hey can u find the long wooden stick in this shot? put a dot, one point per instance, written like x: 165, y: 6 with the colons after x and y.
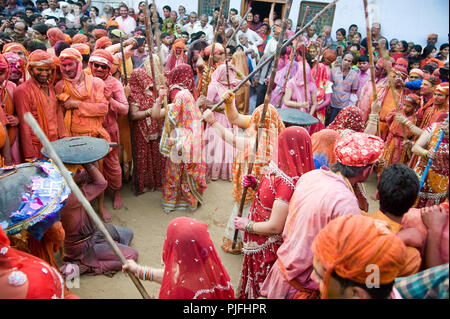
x: 149, y: 38
x: 266, y: 104
x: 370, y: 53
x: 124, y: 65
x: 211, y: 55
x: 292, y: 57
x: 285, y: 44
x: 83, y: 201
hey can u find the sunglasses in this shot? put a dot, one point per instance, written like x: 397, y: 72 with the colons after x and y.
x: 102, y: 66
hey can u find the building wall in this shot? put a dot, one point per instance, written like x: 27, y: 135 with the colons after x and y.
x: 410, y: 20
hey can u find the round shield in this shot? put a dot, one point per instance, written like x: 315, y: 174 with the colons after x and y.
x: 296, y: 117
x: 79, y: 149
x: 31, y: 196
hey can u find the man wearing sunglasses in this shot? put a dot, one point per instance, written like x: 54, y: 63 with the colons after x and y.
x: 100, y: 64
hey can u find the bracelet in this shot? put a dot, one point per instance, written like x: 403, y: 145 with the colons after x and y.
x: 373, y: 117
x: 372, y: 122
x: 143, y: 273
x: 151, y: 274
x: 249, y: 227
x: 148, y: 113
x: 136, y: 272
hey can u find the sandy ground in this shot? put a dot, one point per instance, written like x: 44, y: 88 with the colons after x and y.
x: 144, y: 215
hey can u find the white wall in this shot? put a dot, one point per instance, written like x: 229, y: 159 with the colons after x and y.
x: 410, y: 20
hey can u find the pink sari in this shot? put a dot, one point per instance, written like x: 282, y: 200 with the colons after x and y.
x: 219, y: 155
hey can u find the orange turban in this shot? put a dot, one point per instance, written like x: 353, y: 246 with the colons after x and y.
x: 79, y: 38
x: 102, y: 56
x: 14, y: 47
x: 83, y: 48
x: 40, y: 58
x: 330, y: 55
x: 112, y: 22
x: 179, y: 43
x: 102, y: 43
x: 350, y: 243
x: 99, y: 33
x: 71, y: 53
x: 67, y: 38
x: 54, y: 35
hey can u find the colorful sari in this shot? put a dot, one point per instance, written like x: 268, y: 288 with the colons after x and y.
x: 192, y: 268
x: 273, y: 126
x: 279, y: 82
x: 242, y: 96
x: 435, y: 188
x: 185, y: 171
x: 292, y: 159
x: 146, y: 135
x: 350, y: 118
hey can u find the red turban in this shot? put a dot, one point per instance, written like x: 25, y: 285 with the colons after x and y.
x: 99, y: 33
x: 79, y: 38
x: 102, y: 43
x: 358, y: 149
x: 13, y: 58
x: 349, y: 244
x: 83, y: 48
x: 102, y: 56
x: 54, y: 35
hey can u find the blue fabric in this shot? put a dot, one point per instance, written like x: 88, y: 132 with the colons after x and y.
x: 413, y: 85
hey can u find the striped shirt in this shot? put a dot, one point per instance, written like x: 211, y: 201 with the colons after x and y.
x: 343, y: 87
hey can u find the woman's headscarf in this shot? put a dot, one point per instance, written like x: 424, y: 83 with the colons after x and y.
x: 193, y: 270
x: 140, y: 83
x: 349, y: 118
x: 323, y: 142
x: 272, y: 127
x: 182, y: 77
x: 350, y: 243
x: 219, y: 85
x: 293, y: 156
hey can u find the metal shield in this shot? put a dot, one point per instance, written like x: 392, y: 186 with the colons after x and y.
x: 296, y: 117
x: 79, y: 149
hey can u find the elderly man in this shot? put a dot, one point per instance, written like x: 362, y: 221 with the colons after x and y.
x: 205, y: 27
x: 349, y: 251
x: 320, y: 196
x: 100, y: 64
x: 37, y: 95
x: 193, y: 22
x: 310, y: 35
x: 252, y: 36
x: 376, y: 35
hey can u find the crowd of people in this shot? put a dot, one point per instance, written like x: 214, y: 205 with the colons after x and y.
x: 305, y: 228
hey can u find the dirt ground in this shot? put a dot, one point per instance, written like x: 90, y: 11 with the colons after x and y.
x: 144, y: 215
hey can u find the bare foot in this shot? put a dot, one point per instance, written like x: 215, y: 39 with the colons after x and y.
x: 107, y: 218
x: 117, y: 204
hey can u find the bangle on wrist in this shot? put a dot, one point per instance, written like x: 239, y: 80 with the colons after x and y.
x: 151, y: 274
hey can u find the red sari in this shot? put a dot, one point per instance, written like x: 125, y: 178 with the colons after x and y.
x: 146, y: 135
x: 293, y: 158
x: 193, y: 269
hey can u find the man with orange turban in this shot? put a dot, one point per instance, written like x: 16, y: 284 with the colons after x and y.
x: 100, y: 64
x: 79, y: 38
x: 99, y: 33
x: 82, y: 98
x: 357, y: 257
x: 54, y: 35
x: 102, y: 43
x: 37, y: 95
x: 320, y: 196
